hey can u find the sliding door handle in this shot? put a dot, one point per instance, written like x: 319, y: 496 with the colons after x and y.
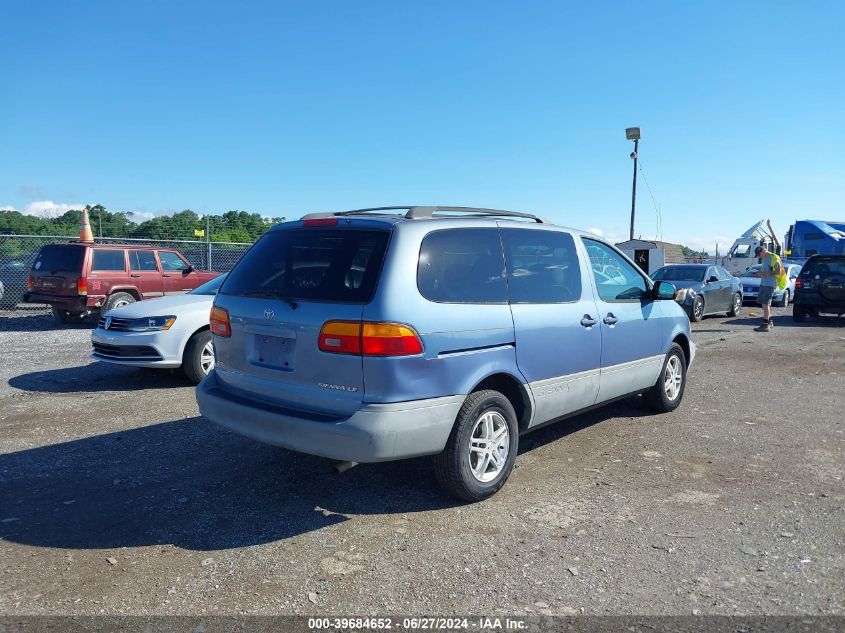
x: 610, y: 319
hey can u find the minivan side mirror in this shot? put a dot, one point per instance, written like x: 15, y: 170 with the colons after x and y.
x: 663, y: 290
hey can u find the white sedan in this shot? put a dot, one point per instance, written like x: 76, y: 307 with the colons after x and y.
x: 168, y: 332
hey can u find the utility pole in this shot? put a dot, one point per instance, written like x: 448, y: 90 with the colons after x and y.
x: 633, y: 134
x: 207, y: 242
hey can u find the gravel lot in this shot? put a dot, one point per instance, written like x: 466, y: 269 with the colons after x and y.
x: 115, y: 497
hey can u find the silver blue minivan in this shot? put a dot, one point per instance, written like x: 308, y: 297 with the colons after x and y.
x: 387, y: 333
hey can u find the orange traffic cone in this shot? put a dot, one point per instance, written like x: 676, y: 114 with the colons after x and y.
x: 85, y: 234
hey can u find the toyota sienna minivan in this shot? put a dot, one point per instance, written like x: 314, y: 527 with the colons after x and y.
x: 388, y: 333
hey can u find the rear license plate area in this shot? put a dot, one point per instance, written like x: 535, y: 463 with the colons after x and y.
x: 275, y: 352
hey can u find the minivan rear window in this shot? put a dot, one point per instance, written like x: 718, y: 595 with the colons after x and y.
x: 55, y: 258
x: 339, y: 265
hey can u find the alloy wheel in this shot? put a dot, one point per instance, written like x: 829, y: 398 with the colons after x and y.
x: 207, y: 358
x: 673, y: 378
x: 489, y: 445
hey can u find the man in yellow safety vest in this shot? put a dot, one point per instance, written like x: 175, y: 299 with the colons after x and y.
x: 771, y: 268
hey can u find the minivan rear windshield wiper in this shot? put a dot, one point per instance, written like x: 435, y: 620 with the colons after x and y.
x: 269, y: 294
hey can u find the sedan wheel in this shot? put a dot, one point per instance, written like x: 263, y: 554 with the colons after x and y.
x: 697, y: 310
x: 737, y: 305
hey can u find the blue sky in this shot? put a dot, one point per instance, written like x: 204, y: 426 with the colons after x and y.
x: 290, y: 107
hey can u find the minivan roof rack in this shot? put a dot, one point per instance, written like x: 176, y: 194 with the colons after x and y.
x: 416, y: 213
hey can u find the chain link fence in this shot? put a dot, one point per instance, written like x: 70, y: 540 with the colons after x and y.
x: 18, y: 253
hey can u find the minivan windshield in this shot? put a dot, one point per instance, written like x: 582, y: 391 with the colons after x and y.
x: 339, y: 265
x: 680, y: 273
x: 55, y: 258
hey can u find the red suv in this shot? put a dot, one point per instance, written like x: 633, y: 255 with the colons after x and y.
x: 76, y: 278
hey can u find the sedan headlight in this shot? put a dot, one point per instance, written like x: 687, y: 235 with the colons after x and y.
x: 683, y: 293
x: 151, y: 324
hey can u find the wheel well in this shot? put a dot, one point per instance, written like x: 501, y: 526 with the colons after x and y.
x: 511, y: 388
x: 683, y: 341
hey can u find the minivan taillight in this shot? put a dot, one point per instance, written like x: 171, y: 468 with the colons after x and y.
x: 29, y: 283
x: 82, y: 286
x: 369, y: 339
x: 798, y: 283
x: 219, y: 320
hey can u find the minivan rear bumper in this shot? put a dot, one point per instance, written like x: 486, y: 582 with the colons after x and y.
x: 374, y: 433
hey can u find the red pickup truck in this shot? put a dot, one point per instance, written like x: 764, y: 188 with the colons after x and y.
x: 77, y: 278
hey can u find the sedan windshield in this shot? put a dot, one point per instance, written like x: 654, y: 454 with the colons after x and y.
x: 680, y: 273
x: 210, y: 287
x: 750, y: 272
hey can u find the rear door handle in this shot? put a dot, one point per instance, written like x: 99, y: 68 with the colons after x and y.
x: 588, y: 321
x: 134, y: 275
x: 165, y: 275
x: 610, y: 319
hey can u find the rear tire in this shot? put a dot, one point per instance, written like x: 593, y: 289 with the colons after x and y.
x: 784, y: 302
x: 668, y: 391
x: 799, y: 313
x: 737, y: 305
x: 482, y: 447
x: 64, y: 317
x: 198, y: 358
x: 118, y: 300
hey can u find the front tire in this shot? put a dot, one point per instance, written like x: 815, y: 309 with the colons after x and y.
x: 736, y: 307
x: 482, y: 447
x: 668, y: 391
x: 696, y: 311
x: 198, y: 358
x: 784, y: 302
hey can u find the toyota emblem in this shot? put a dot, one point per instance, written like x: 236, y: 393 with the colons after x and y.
x: 269, y: 314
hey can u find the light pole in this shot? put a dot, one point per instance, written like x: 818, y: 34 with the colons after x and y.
x: 633, y: 134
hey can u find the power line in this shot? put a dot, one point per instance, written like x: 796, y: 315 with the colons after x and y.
x: 659, y: 235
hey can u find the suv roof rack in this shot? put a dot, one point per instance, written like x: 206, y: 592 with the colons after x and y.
x: 417, y: 213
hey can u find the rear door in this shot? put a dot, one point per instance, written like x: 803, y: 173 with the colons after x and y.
x: 108, y: 271
x: 278, y: 297
x: 57, y: 269
x: 145, y: 274
x: 557, y: 350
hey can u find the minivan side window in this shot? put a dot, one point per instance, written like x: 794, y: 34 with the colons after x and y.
x: 108, y: 260
x: 171, y: 261
x: 542, y: 266
x: 142, y: 260
x: 462, y: 266
x: 616, y: 279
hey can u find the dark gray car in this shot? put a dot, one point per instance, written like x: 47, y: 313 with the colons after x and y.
x: 703, y: 289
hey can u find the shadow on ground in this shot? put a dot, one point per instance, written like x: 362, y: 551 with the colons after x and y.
x: 20, y: 321
x: 788, y: 321
x: 193, y: 485
x: 98, y: 376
